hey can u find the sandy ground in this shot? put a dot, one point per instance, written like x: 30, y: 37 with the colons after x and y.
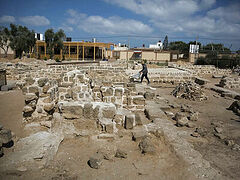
x: 213, y: 149
x: 71, y: 159
x: 11, y: 106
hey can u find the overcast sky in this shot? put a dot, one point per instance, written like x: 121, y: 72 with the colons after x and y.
x: 216, y: 21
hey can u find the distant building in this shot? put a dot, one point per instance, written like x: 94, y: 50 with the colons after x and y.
x: 159, y: 45
x: 120, y: 47
x: 193, y: 48
x: 39, y: 36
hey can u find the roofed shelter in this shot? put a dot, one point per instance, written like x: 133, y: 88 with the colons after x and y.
x: 74, y: 50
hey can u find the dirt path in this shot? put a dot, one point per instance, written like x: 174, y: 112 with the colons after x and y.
x: 212, y: 148
x: 11, y: 106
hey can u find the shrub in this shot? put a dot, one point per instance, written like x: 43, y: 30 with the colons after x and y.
x: 63, y: 57
x: 57, y: 59
x: 45, y: 58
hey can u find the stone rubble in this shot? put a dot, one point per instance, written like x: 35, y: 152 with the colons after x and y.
x: 101, y: 99
x: 190, y: 91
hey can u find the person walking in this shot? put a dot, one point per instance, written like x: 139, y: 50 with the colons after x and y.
x: 144, y: 72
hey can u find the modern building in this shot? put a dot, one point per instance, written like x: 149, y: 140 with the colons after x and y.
x: 159, y: 45
x: 75, y: 51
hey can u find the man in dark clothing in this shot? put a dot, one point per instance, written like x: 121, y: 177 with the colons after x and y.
x: 144, y: 72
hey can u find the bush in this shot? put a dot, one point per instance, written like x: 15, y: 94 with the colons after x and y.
x: 45, y: 58
x: 57, y: 59
x: 63, y: 57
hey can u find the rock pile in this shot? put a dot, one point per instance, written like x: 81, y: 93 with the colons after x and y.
x: 189, y: 90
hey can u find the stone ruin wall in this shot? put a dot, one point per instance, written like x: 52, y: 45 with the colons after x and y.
x: 230, y: 82
x: 99, y: 93
x: 203, y: 69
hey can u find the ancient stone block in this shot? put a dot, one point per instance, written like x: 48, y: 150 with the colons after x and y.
x: 121, y: 154
x: 88, y: 110
x: 129, y: 121
x: 72, y: 111
x: 49, y: 108
x: 34, y: 89
x: 118, y: 91
x: 182, y: 122
x: 109, y: 112
x: 146, y: 146
x: 138, y: 119
x: 149, y: 95
x: 5, y: 136
x: 139, y: 100
x: 95, y: 161
x: 29, y: 81
x: 109, y: 128
x: 45, y: 89
x: 42, y: 81
x: 30, y: 97
x: 27, y: 111
x: 139, y: 135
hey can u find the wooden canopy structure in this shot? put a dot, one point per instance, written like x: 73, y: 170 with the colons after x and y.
x: 74, y: 50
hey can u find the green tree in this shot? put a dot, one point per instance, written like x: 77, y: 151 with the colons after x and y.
x: 54, y: 40
x: 21, y: 39
x: 165, y: 43
x: 4, y: 39
x: 181, y: 46
x: 216, y: 47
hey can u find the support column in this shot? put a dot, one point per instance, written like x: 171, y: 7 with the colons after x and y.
x: 77, y: 51
x: 69, y: 50
x: 37, y: 51
x: 45, y: 49
x: 102, y: 52
x: 83, y: 53
x: 94, y: 53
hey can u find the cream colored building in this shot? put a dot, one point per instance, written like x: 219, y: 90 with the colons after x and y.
x: 143, y: 54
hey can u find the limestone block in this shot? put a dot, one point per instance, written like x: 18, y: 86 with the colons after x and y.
x: 49, y: 107
x: 45, y: 89
x: 119, y: 91
x: 29, y: 81
x: 71, y: 108
x: 138, y: 100
x: 154, y: 112
x: 88, y: 110
x: 30, y: 97
x: 109, y: 128
x: 108, y: 112
x: 138, y: 119
x: 27, y: 111
x: 5, y: 136
x: 129, y: 121
x: 147, y: 147
x: 149, y: 95
x: 34, y: 89
x: 42, y: 81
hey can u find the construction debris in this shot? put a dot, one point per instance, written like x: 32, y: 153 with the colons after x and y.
x: 189, y: 90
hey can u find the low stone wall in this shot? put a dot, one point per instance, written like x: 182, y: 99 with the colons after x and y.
x: 230, y: 82
x: 202, y: 69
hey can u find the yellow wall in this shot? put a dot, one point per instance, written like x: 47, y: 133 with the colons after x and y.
x: 123, y: 55
x: 149, y: 55
x: 193, y: 57
x: 163, y: 56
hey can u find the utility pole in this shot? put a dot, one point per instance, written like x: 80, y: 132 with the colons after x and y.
x: 127, y: 51
x: 196, y: 49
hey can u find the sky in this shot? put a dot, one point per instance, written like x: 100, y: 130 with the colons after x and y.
x: 136, y: 22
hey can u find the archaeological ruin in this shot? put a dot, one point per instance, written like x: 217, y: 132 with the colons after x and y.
x: 89, y: 120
